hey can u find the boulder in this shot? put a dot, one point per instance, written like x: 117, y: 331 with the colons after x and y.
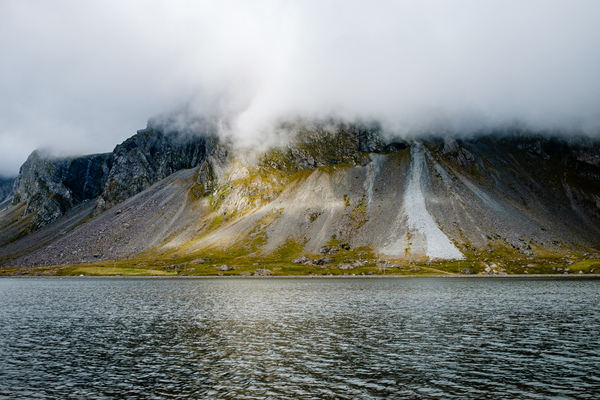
x: 174, y: 266
x: 325, y: 260
x: 262, y: 272
x: 301, y: 260
x: 324, y: 250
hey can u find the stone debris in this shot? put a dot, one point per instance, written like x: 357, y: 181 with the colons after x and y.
x: 263, y: 272
x: 325, y: 260
x: 494, y: 269
x: 327, y: 250
x: 163, y: 212
x: 174, y: 266
x: 301, y: 260
x: 310, y: 262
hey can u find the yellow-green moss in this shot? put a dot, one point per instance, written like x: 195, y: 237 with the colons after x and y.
x: 358, y: 216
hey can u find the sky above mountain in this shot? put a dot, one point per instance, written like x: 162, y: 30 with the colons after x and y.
x: 80, y: 77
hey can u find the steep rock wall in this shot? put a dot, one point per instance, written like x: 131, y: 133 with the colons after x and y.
x: 50, y: 186
x: 148, y: 157
x: 522, y: 193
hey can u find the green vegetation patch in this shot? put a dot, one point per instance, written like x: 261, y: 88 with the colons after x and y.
x: 247, y: 261
x: 106, y: 270
x: 291, y: 249
x: 586, y: 266
x: 358, y: 216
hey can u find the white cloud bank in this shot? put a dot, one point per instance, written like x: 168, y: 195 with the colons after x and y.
x: 80, y: 77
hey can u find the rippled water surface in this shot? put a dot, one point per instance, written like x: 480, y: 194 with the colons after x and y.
x: 299, y: 338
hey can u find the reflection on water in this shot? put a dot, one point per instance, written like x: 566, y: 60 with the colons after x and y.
x: 299, y: 338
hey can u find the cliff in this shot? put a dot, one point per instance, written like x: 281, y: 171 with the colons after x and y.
x: 334, y: 185
x: 148, y: 157
x: 50, y: 186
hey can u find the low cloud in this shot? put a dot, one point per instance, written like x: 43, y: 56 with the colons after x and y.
x: 80, y: 77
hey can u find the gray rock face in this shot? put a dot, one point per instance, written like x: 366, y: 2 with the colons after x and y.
x: 211, y: 169
x: 516, y: 191
x: 329, y: 142
x: 457, y: 154
x: 50, y: 186
x: 86, y: 176
x: 149, y: 156
x: 588, y: 155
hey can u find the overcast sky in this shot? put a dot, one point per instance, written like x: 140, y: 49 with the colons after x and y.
x: 81, y: 76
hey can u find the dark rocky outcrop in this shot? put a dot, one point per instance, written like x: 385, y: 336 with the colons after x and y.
x: 6, y: 190
x: 49, y: 186
x: 208, y: 174
x: 457, y: 154
x: 149, y: 156
x: 86, y: 176
x: 332, y: 180
x: 328, y: 142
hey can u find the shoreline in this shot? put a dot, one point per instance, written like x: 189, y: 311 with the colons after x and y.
x: 449, y: 276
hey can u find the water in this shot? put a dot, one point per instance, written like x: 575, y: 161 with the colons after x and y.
x: 299, y: 338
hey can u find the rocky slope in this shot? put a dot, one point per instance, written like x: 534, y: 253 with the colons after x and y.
x: 334, y: 184
x: 148, y: 157
x: 47, y: 187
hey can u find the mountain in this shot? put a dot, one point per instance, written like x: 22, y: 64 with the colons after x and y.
x: 337, y: 193
x: 6, y: 191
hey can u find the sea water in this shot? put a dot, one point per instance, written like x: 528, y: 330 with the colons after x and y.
x: 103, y: 338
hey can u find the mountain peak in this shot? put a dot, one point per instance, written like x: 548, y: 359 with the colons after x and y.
x: 334, y: 185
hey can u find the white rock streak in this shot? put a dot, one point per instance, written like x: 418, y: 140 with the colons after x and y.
x: 372, y: 171
x: 418, y: 218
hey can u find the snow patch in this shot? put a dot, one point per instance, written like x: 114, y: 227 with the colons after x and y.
x: 418, y: 218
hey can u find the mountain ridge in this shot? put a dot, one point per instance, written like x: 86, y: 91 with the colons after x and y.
x: 334, y: 183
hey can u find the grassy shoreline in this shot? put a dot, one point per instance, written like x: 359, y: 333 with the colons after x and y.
x: 395, y: 276
x: 342, y: 262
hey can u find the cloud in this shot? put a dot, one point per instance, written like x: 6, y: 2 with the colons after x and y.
x: 80, y: 77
